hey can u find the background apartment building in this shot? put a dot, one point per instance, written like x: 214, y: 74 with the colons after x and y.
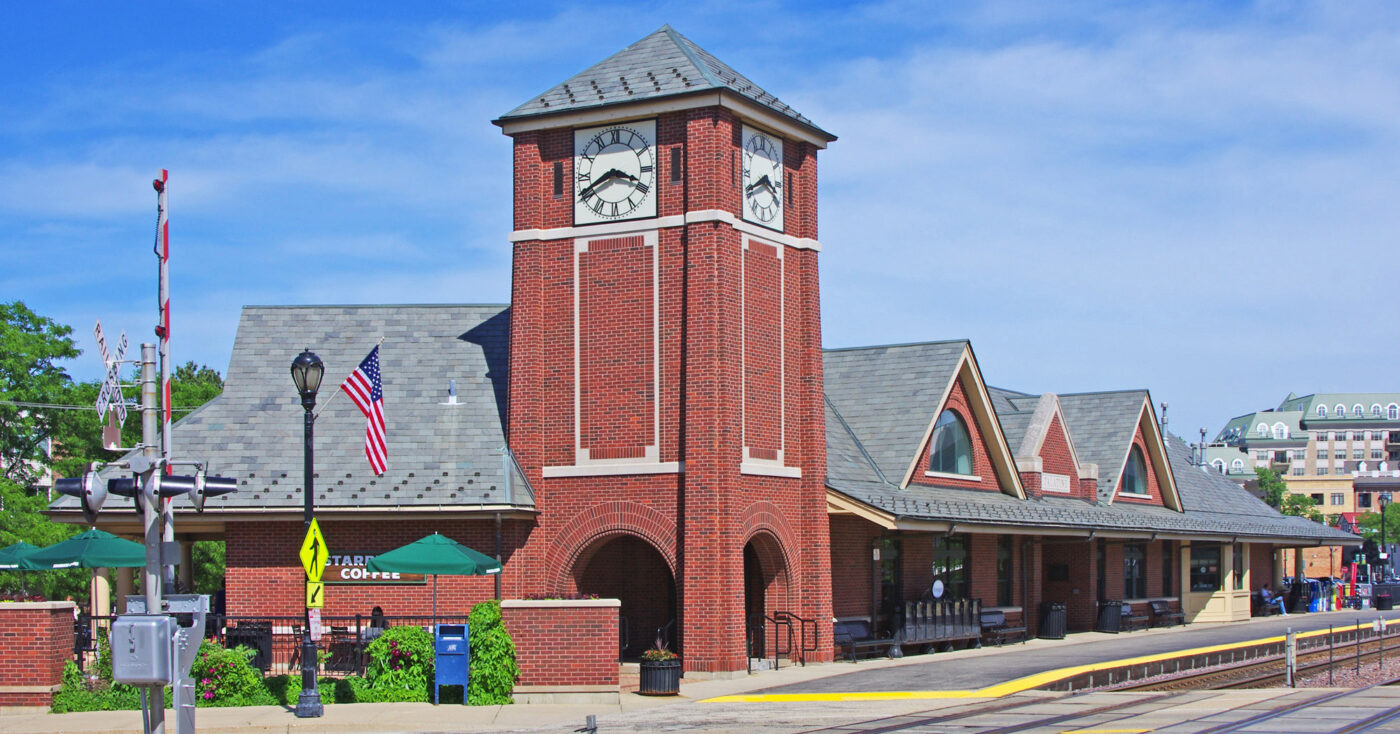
x: 1342, y: 449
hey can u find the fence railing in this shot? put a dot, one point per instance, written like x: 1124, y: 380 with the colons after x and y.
x: 276, y: 641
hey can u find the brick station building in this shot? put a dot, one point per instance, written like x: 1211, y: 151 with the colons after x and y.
x: 653, y: 417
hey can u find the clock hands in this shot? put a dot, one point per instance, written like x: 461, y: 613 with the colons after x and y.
x: 762, y: 183
x: 611, y: 174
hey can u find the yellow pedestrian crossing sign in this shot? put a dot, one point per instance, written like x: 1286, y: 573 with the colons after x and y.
x: 315, y: 594
x: 314, y: 553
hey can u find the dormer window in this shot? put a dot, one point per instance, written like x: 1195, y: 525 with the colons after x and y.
x: 950, y: 450
x: 1135, y: 474
x: 1322, y: 411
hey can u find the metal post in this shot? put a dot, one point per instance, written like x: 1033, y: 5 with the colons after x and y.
x: 1358, y: 647
x: 309, y: 702
x: 162, y: 250
x: 154, y: 705
x: 1291, y: 657
x: 1331, y: 646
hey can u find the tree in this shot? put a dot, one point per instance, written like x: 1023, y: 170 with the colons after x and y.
x: 21, y: 519
x: 1271, y: 486
x: 30, y: 347
x: 1370, y: 525
x: 1301, y: 505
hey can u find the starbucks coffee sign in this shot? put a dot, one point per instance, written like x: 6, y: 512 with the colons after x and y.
x: 353, y: 569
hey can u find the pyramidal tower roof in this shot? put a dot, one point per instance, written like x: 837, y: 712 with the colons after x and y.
x: 664, y: 64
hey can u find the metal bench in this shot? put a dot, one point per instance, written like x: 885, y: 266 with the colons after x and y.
x: 936, y: 621
x: 995, y: 628
x: 1162, y: 614
x: 857, y: 636
x: 1133, y: 621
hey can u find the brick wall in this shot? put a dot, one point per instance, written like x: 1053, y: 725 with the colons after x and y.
x: 564, y: 645
x: 719, y: 362
x: 981, y: 461
x: 851, y: 570
x: 1057, y: 459
x: 36, y: 639
x: 1154, y: 489
x: 264, y: 575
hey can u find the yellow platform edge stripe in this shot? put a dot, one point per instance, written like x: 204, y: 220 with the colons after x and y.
x: 1017, y: 685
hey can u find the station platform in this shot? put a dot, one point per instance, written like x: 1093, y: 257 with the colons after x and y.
x: 992, y: 672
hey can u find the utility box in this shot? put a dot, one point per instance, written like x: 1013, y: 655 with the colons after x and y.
x: 452, y: 663
x: 143, y: 649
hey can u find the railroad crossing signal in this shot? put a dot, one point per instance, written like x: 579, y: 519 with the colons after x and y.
x: 110, y: 396
x: 314, y: 554
x: 315, y: 594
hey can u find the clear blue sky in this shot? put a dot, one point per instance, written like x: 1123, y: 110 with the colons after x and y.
x: 1196, y: 198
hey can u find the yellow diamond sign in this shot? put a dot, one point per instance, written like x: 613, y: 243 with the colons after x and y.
x: 314, y: 552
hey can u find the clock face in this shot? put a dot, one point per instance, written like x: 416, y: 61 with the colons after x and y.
x: 615, y: 172
x: 763, y: 178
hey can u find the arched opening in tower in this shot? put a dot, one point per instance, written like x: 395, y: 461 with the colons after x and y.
x: 629, y: 569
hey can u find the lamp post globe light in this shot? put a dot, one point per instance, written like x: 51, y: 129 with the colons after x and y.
x: 307, y: 370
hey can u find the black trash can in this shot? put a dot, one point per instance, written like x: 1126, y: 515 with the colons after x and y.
x: 1384, y: 603
x: 1110, y: 617
x: 1053, y: 620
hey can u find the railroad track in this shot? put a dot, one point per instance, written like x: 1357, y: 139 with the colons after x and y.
x: 1268, y: 671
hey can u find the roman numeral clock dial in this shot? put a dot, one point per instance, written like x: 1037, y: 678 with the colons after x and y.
x: 615, y: 172
x: 763, y: 178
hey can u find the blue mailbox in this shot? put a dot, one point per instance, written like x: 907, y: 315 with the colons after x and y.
x: 452, y: 661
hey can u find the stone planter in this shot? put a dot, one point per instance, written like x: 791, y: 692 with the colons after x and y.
x: 660, y: 678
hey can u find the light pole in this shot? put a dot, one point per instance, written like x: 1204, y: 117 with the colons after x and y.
x: 1385, y: 554
x: 307, y: 370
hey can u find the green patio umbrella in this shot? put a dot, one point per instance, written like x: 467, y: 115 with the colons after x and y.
x: 91, y: 549
x: 11, y: 558
x: 435, y: 554
x: 11, y: 555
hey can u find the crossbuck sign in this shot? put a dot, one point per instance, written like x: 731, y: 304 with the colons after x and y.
x: 110, y: 397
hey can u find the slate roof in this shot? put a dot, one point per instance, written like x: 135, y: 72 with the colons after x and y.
x: 440, y: 455
x: 886, y: 396
x: 1102, y: 426
x: 880, y: 400
x: 663, y: 64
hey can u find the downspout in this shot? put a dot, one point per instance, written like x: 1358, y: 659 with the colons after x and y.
x: 498, y: 555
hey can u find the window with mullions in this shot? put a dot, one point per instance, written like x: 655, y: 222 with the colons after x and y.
x: 1135, y: 571
x: 1238, y: 567
x: 950, y: 449
x: 1205, y: 567
x: 1135, y: 473
x: 1167, y: 552
x: 950, y: 565
x: 1004, y: 566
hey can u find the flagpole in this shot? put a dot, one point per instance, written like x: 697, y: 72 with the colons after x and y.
x: 328, y: 400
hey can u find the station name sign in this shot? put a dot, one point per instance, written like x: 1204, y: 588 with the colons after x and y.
x: 351, y: 569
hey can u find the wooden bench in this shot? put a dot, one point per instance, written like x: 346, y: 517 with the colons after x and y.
x: 995, y: 628
x: 1162, y: 614
x: 857, y: 636
x: 1133, y: 621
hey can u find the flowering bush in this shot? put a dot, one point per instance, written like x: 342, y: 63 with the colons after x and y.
x: 225, y: 678
x: 401, y: 664
x: 658, y: 655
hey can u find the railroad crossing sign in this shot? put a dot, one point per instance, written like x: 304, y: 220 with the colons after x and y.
x: 314, y: 554
x: 315, y: 594
x: 110, y: 396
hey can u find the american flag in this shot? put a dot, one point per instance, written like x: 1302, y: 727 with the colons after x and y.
x: 364, y: 387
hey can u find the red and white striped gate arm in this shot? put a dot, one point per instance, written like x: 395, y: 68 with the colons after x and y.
x: 163, y: 331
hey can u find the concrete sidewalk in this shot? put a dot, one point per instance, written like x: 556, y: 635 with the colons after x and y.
x: 685, y: 712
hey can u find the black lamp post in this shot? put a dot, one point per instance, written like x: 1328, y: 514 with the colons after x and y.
x: 1385, y: 553
x: 307, y: 370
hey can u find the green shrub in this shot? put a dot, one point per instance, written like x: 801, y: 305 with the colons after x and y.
x: 493, y: 671
x: 225, y: 678
x: 80, y: 693
x: 401, y: 665
x: 285, y: 690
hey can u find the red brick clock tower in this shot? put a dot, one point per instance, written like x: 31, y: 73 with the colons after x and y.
x: 665, y: 353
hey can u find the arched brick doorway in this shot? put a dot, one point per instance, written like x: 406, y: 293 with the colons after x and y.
x: 628, y: 568
x: 765, y: 593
